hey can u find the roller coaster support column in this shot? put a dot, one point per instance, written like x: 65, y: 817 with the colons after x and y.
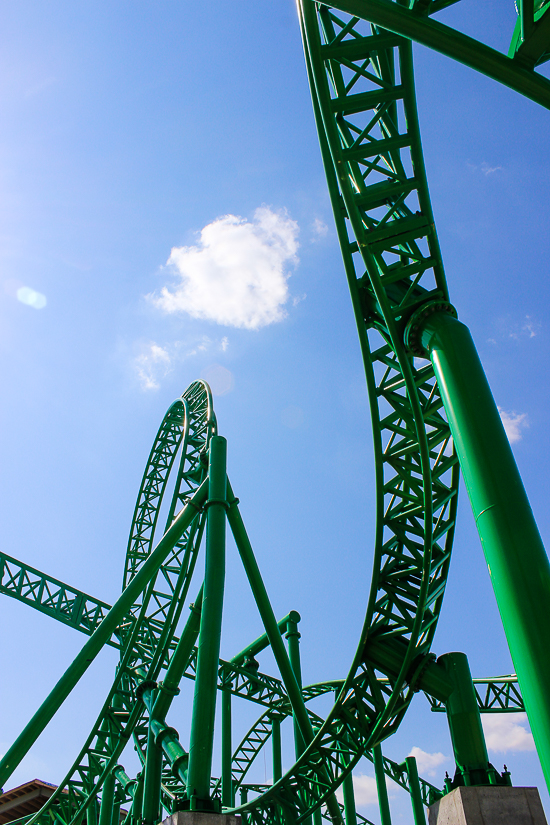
x: 414, y: 788
x: 160, y: 737
x: 381, y: 787
x: 276, y: 748
x: 204, y: 702
x: 469, y: 747
x: 293, y: 638
x: 517, y: 561
x: 100, y: 636
x: 227, y: 779
x: 273, y: 632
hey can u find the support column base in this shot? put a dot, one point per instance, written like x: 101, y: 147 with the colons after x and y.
x: 488, y: 805
x: 203, y: 818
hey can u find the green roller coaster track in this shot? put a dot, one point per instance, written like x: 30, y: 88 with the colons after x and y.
x: 433, y: 416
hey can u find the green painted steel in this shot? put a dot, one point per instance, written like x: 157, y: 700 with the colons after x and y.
x: 208, y: 654
x: 408, y: 23
x: 426, y: 416
x: 383, y: 801
x: 498, y: 695
x: 416, y: 797
x: 517, y: 561
x: 464, y: 719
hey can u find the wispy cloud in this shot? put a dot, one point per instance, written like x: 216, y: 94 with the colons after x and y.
x: 506, y: 732
x: 513, y: 423
x: 484, y: 168
x: 319, y: 229
x: 428, y: 762
x: 517, y: 328
x: 154, y: 362
x: 236, y: 275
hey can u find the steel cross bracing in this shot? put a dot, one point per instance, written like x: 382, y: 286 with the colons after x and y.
x: 144, y: 653
x: 493, y: 695
x: 362, y: 85
x: 147, y: 636
x: 363, y: 92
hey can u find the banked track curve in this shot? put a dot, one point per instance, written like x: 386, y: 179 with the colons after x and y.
x: 363, y: 94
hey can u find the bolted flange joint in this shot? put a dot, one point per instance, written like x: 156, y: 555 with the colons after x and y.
x: 415, y: 326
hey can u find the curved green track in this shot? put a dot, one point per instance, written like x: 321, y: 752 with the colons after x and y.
x: 362, y: 86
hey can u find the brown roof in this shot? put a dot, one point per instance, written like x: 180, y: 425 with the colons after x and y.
x: 25, y: 799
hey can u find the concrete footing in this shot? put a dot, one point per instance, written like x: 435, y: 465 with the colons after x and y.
x: 488, y: 805
x: 202, y: 818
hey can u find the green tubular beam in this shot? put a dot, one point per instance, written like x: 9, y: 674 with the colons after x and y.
x: 517, y: 561
x: 153, y: 775
x: 204, y: 703
x: 268, y: 617
x: 467, y: 736
x: 416, y: 796
x: 107, y: 801
x: 227, y: 779
x: 147, y: 635
x: 350, y: 813
x: 381, y: 787
x: 454, y: 44
x: 272, y: 630
x: 262, y: 641
x: 367, y: 124
x: 276, y: 749
x: 92, y: 647
x: 293, y: 640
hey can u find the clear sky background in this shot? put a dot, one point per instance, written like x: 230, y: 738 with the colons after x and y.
x: 130, y: 128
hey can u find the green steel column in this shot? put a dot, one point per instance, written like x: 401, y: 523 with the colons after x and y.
x: 414, y: 788
x: 204, y: 702
x: 153, y: 774
x: 227, y: 779
x: 293, y: 639
x: 107, y: 800
x: 100, y: 637
x: 276, y: 748
x: 244, y: 800
x: 116, y: 810
x: 469, y: 747
x: 517, y: 561
x: 350, y: 812
x: 91, y: 812
x: 272, y: 629
x: 137, y: 801
x: 381, y: 787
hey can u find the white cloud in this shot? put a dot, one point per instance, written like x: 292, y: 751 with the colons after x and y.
x: 225, y: 343
x: 488, y: 170
x: 513, y: 424
x: 427, y: 762
x: 236, y: 275
x: 154, y: 362
x: 531, y: 327
x: 505, y: 732
x: 151, y: 364
x: 319, y: 229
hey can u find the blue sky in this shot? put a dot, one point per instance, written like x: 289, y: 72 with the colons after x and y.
x: 129, y: 129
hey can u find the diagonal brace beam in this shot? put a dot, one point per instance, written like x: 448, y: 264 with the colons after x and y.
x: 451, y: 43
